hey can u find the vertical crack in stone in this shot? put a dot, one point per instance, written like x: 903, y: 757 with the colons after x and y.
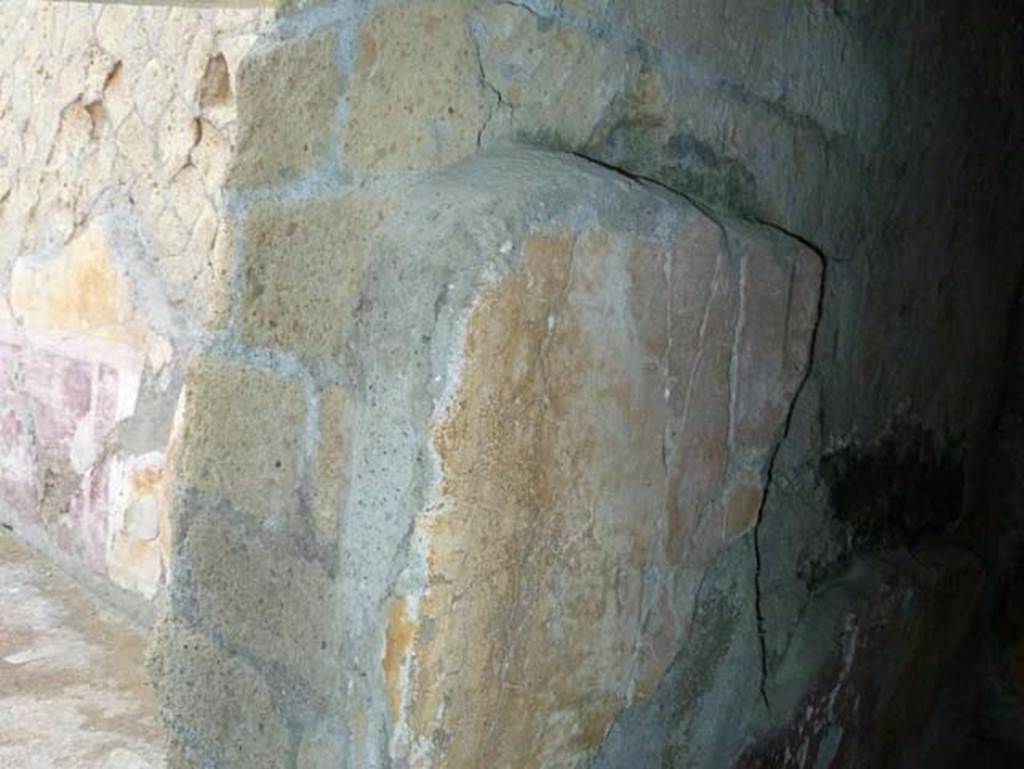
x: 770, y: 468
x: 499, y: 102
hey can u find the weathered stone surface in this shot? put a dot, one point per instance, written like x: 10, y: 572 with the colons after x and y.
x: 82, y: 291
x: 116, y: 124
x: 262, y: 597
x: 560, y: 395
x: 287, y: 96
x: 554, y: 81
x: 404, y: 113
x: 138, y: 489
x: 319, y: 750
x: 301, y: 270
x: 243, y: 437
x: 563, y: 541
x: 217, y: 703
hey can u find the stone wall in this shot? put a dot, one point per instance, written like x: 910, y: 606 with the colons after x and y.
x: 595, y: 384
x: 116, y: 125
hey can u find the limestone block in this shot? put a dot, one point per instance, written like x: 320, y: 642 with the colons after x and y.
x: 302, y: 266
x: 242, y: 439
x: 217, y: 703
x: 287, y: 96
x: 263, y: 597
x: 586, y: 448
x: 416, y: 99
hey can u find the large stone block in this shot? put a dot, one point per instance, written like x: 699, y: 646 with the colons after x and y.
x: 243, y: 436
x: 416, y: 99
x: 590, y: 344
x: 301, y: 271
x: 555, y: 82
x: 263, y: 597
x: 216, y: 706
x: 287, y: 97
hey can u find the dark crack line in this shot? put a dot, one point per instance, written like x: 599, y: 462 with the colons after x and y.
x: 759, y: 618
x: 762, y: 633
x: 759, y: 612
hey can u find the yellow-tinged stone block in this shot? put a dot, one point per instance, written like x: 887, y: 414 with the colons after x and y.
x: 242, y: 436
x: 416, y: 99
x: 287, y: 97
x: 301, y: 272
x: 81, y: 291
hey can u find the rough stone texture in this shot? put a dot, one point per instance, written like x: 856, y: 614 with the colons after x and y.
x: 244, y: 431
x: 262, y: 599
x: 552, y: 83
x: 563, y: 342
x: 287, y: 97
x: 299, y: 279
x: 242, y: 729
x: 116, y: 125
x: 404, y: 113
x: 546, y: 429
x: 572, y: 442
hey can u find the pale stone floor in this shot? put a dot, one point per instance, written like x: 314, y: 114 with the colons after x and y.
x: 73, y: 692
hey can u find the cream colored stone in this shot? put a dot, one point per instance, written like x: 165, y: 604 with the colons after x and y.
x: 287, y: 97
x: 81, y: 291
x: 211, y: 154
x: 137, y: 145
x: 117, y: 26
x: 135, y: 564
x: 178, y: 132
x: 301, y: 271
x: 189, y: 201
x: 216, y: 283
x: 243, y: 437
x: 151, y: 95
x: 116, y: 100
x: 416, y: 99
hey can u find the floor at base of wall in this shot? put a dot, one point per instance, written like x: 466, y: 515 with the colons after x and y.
x: 73, y: 692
